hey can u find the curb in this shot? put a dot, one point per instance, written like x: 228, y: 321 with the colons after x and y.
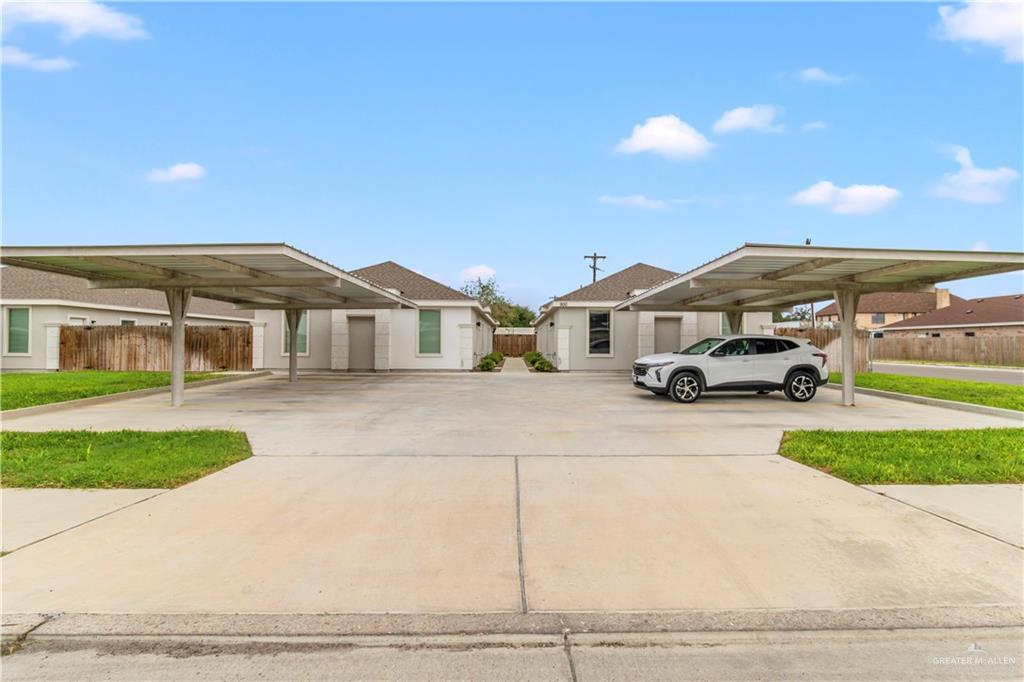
x: 124, y: 395
x: 514, y: 623
x: 936, y: 402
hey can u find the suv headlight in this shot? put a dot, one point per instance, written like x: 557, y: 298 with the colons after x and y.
x: 659, y: 364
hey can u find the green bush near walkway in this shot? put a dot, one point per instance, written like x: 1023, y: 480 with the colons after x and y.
x: 42, y: 388
x: 1006, y: 396
x: 116, y: 459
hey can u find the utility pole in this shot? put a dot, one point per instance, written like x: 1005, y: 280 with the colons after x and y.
x: 593, y: 266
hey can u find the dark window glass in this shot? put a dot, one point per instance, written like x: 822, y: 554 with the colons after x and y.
x: 766, y: 346
x: 735, y: 347
x: 968, y: 333
x: 878, y: 318
x: 599, y: 324
x: 701, y: 347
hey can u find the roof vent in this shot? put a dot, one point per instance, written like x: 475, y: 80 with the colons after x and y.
x: 637, y: 292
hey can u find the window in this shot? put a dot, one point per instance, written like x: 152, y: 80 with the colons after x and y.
x: 968, y: 333
x: 877, y: 318
x: 766, y: 346
x: 127, y: 322
x: 303, y: 336
x: 16, y: 341
x: 77, y: 320
x: 936, y: 335
x: 430, y: 332
x: 599, y: 332
x: 701, y: 347
x: 735, y: 347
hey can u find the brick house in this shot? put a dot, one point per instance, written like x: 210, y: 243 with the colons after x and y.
x: 990, y: 316
x: 881, y: 309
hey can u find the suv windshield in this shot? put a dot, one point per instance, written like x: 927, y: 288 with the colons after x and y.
x: 700, y: 347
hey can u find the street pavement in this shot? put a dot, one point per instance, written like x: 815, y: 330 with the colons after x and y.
x: 1012, y: 376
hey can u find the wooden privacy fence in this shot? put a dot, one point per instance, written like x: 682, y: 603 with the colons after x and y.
x: 985, y: 350
x: 829, y: 341
x: 514, y: 341
x: 146, y: 348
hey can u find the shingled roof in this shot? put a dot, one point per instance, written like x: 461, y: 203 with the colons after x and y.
x: 891, y: 302
x: 410, y: 284
x: 24, y: 283
x: 970, y: 312
x: 620, y: 285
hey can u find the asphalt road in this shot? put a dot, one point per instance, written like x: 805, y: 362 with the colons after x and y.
x: 998, y: 376
x: 955, y: 654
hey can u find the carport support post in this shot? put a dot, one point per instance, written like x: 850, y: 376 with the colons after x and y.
x: 847, y: 300
x: 735, y: 320
x: 177, y: 305
x: 292, y: 316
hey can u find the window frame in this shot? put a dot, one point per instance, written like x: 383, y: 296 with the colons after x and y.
x: 7, y: 331
x: 134, y: 321
x: 284, y: 334
x: 875, y: 316
x: 440, y: 333
x: 611, y: 333
x: 83, y: 318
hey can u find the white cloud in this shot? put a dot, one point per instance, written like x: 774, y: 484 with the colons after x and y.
x: 13, y: 56
x: 846, y: 200
x: 760, y: 118
x: 997, y: 24
x: 816, y: 74
x: 980, y: 246
x: 176, y: 173
x: 814, y: 125
x: 477, y: 272
x: 668, y: 136
x: 635, y: 201
x: 75, y: 19
x: 974, y: 185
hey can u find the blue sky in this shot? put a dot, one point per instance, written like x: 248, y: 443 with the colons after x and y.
x: 516, y: 137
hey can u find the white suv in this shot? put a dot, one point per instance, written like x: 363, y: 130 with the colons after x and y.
x: 737, y: 362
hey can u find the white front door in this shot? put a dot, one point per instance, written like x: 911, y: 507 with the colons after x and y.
x: 732, y: 362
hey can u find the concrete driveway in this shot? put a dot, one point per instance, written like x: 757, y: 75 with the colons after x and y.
x: 456, y: 494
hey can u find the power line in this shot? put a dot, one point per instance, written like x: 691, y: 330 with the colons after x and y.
x: 593, y: 266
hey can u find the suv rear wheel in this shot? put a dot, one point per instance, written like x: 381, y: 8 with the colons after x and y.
x: 684, y: 387
x: 800, y: 387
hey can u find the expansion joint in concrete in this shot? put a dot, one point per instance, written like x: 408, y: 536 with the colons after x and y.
x: 523, y: 605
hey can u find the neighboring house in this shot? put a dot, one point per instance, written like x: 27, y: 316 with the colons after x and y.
x: 879, y: 309
x: 449, y: 331
x: 580, y: 330
x: 35, y: 304
x: 991, y: 316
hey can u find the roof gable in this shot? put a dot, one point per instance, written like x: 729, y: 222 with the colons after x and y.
x: 970, y: 312
x: 891, y: 302
x: 411, y: 284
x: 620, y: 285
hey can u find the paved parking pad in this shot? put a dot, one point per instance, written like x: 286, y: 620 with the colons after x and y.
x: 489, y: 414
x: 624, y: 534
x: 291, y: 535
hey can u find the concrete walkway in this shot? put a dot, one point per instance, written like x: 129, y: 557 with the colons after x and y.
x: 31, y: 515
x: 994, y: 509
x: 515, y: 367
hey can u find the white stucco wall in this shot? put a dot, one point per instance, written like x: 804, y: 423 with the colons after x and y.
x: 42, y: 315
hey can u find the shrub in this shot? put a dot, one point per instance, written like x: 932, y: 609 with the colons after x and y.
x: 496, y: 356
x: 531, y: 357
x: 487, y: 364
x: 543, y: 365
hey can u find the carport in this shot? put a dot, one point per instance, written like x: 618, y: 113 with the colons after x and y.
x: 251, y: 276
x: 773, y: 277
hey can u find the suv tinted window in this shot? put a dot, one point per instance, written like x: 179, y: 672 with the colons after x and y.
x: 788, y: 345
x: 735, y: 347
x: 766, y: 346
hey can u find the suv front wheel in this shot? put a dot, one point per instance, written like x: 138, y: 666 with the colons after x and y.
x: 684, y: 387
x: 800, y: 387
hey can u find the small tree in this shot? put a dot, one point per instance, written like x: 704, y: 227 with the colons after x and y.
x: 488, y: 292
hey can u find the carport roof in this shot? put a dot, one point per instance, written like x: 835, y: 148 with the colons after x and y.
x: 762, y: 277
x: 247, y: 275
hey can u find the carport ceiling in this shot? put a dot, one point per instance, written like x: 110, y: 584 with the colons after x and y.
x: 762, y: 277
x: 248, y: 275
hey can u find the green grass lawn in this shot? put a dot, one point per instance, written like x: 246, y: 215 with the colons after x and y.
x: 1005, y: 396
x: 954, y: 456
x: 29, y: 389
x: 947, y: 364
x: 116, y: 459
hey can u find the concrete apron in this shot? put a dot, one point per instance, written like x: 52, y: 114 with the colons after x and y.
x: 650, y: 542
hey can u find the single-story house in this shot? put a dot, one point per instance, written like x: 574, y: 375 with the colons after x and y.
x: 879, y: 309
x: 990, y: 316
x: 36, y: 303
x: 448, y: 331
x: 582, y: 331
